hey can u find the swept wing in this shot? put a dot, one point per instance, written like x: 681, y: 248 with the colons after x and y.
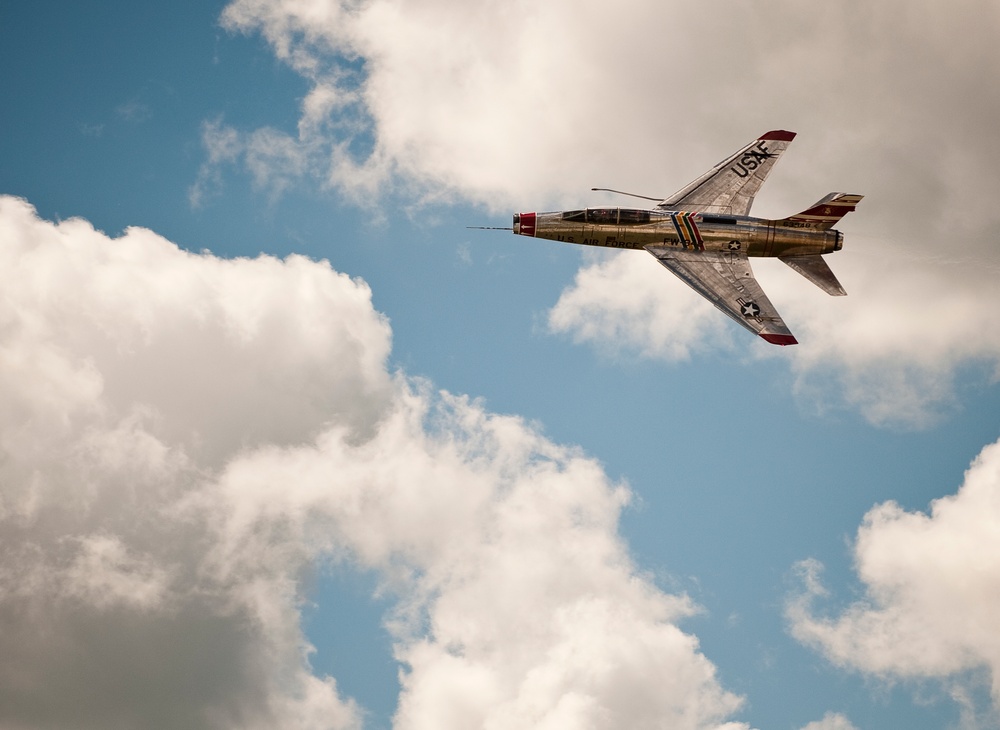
x: 730, y: 186
x: 726, y: 279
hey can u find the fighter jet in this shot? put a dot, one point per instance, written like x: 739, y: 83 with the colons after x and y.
x: 703, y: 233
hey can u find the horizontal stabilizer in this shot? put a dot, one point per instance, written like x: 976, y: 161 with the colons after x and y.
x: 824, y: 213
x: 817, y: 271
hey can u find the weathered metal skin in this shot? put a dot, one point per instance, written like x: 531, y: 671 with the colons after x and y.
x: 622, y: 228
x: 703, y: 233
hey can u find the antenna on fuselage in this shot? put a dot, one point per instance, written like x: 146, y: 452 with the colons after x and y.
x: 619, y: 192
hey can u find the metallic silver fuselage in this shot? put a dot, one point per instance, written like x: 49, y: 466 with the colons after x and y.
x: 752, y: 236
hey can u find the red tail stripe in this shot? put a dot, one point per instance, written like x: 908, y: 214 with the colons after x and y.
x: 835, y: 210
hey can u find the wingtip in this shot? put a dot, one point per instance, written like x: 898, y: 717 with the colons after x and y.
x: 779, y: 339
x: 779, y: 135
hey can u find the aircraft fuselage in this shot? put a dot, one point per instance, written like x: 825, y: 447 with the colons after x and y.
x: 705, y: 236
x: 636, y: 229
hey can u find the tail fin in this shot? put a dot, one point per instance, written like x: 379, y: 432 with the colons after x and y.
x: 825, y: 213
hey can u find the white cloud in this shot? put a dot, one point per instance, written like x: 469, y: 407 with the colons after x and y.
x: 505, y: 110
x: 519, y: 604
x: 892, y: 347
x: 831, y: 721
x: 527, y: 105
x: 104, y: 573
x: 183, y: 438
x: 273, y: 159
x: 932, y: 584
x: 134, y: 111
x: 130, y: 373
x: 620, y: 302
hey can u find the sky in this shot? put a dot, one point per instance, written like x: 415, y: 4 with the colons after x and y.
x: 283, y: 443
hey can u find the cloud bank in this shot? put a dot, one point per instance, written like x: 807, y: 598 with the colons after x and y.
x: 520, y: 105
x: 932, y: 585
x: 184, y: 440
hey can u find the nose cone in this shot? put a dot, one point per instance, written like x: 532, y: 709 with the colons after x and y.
x: 524, y: 224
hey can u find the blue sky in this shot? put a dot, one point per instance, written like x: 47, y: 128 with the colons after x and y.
x: 551, y: 487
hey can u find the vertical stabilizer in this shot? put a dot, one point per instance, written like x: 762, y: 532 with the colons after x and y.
x: 824, y: 213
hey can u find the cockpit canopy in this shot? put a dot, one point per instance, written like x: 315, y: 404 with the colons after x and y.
x: 609, y: 216
x: 637, y: 217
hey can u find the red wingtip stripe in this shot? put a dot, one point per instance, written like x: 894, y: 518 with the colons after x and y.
x: 779, y: 135
x: 779, y: 339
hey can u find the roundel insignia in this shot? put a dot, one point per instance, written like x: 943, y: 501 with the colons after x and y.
x: 734, y: 245
x: 750, y: 309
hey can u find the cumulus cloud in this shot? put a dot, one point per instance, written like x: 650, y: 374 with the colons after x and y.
x: 526, y: 105
x: 184, y: 440
x: 892, y: 346
x: 503, y: 109
x: 619, y: 303
x: 932, y: 585
x: 831, y: 721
